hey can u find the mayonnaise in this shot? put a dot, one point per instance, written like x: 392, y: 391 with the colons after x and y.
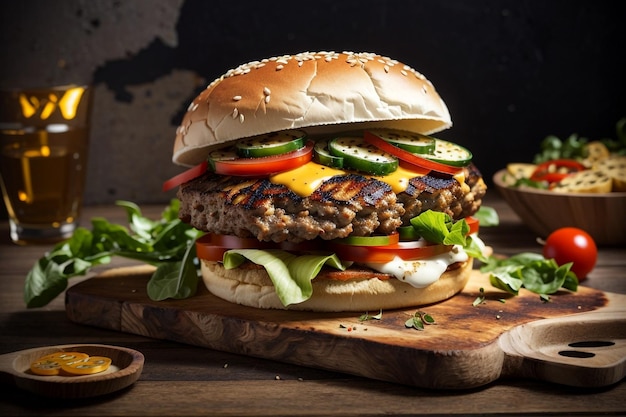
x: 421, y: 273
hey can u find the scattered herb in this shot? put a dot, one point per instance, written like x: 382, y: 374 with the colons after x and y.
x: 167, y: 243
x: 366, y: 316
x: 480, y: 299
x: 419, y: 320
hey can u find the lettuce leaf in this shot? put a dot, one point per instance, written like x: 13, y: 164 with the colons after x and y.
x: 290, y: 274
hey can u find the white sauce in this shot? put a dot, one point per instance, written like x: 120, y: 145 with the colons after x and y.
x: 424, y: 272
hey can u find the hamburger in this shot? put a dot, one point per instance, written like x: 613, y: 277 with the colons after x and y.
x: 320, y: 187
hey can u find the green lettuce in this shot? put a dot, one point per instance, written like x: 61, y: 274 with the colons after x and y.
x: 290, y: 274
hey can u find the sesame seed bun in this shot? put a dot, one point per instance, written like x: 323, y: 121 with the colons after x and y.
x: 252, y: 287
x: 314, y: 92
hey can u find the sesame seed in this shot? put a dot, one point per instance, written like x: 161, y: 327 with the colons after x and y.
x: 267, y: 99
x: 236, y: 98
x: 241, y: 118
x: 279, y: 67
x: 403, y: 72
x: 235, y: 113
x: 266, y: 91
x: 192, y: 107
x: 386, y: 68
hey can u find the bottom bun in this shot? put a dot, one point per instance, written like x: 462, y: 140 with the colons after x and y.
x: 252, y: 287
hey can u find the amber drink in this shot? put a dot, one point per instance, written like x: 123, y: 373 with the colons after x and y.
x: 43, y: 157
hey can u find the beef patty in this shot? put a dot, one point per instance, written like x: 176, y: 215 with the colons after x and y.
x: 343, y: 205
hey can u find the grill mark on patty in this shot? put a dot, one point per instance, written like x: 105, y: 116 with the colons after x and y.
x: 351, y: 189
x: 343, y: 205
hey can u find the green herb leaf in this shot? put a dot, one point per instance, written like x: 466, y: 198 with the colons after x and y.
x: 531, y: 271
x: 163, y: 243
x: 438, y: 227
x: 178, y: 280
x: 487, y: 216
x: 366, y: 316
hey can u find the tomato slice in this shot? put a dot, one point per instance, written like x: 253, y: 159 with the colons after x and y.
x: 381, y: 254
x: 211, y: 247
x: 266, y: 165
x: 556, y: 170
x: 186, y: 176
x: 409, y: 157
x: 473, y: 224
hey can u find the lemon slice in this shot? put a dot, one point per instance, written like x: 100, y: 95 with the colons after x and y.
x: 51, y: 364
x: 88, y: 366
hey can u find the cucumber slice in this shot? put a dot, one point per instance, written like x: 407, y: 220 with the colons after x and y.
x: 271, y: 144
x: 450, y: 154
x: 361, y: 156
x: 222, y: 154
x: 408, y: 233
x: 409, y: 141
x: 323, y: 156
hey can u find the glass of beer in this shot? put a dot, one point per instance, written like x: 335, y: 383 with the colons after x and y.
x: 43, y: 159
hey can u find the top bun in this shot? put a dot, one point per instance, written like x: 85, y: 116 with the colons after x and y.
x: 314, y: 92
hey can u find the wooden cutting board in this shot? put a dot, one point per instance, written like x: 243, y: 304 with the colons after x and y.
x: 575, y: 339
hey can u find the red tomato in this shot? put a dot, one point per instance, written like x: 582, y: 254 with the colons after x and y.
x: 570, y: 244
x: 556, y: 170
x: 211, y: 247
x: 473, y: 223
x: 408, y: 157
x: 264, y: 165
x: 380, y: 254
x: 186, y: 176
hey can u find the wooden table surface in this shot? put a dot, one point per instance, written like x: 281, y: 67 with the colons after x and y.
x: 182, y: 380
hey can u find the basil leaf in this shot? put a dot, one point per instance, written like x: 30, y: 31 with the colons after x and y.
x: 178, y: 280
x: 166, y: 243
x: 487, y: 216
x: 531, y: 271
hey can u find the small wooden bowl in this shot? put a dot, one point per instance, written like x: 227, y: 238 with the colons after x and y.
x: 125, y: 369
x: 603, y: 216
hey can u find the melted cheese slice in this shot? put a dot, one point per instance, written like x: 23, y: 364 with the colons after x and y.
x: 308, y: 177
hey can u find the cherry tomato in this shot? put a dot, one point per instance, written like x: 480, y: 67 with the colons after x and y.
x: 570, y: 244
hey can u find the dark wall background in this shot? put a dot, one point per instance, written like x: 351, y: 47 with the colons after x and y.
x: 511, y: 71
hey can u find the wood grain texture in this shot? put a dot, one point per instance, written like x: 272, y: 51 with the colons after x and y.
x: 461, y: 351
x: 125, y: 369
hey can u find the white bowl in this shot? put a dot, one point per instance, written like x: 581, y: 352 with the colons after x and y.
x: 603, y: 216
